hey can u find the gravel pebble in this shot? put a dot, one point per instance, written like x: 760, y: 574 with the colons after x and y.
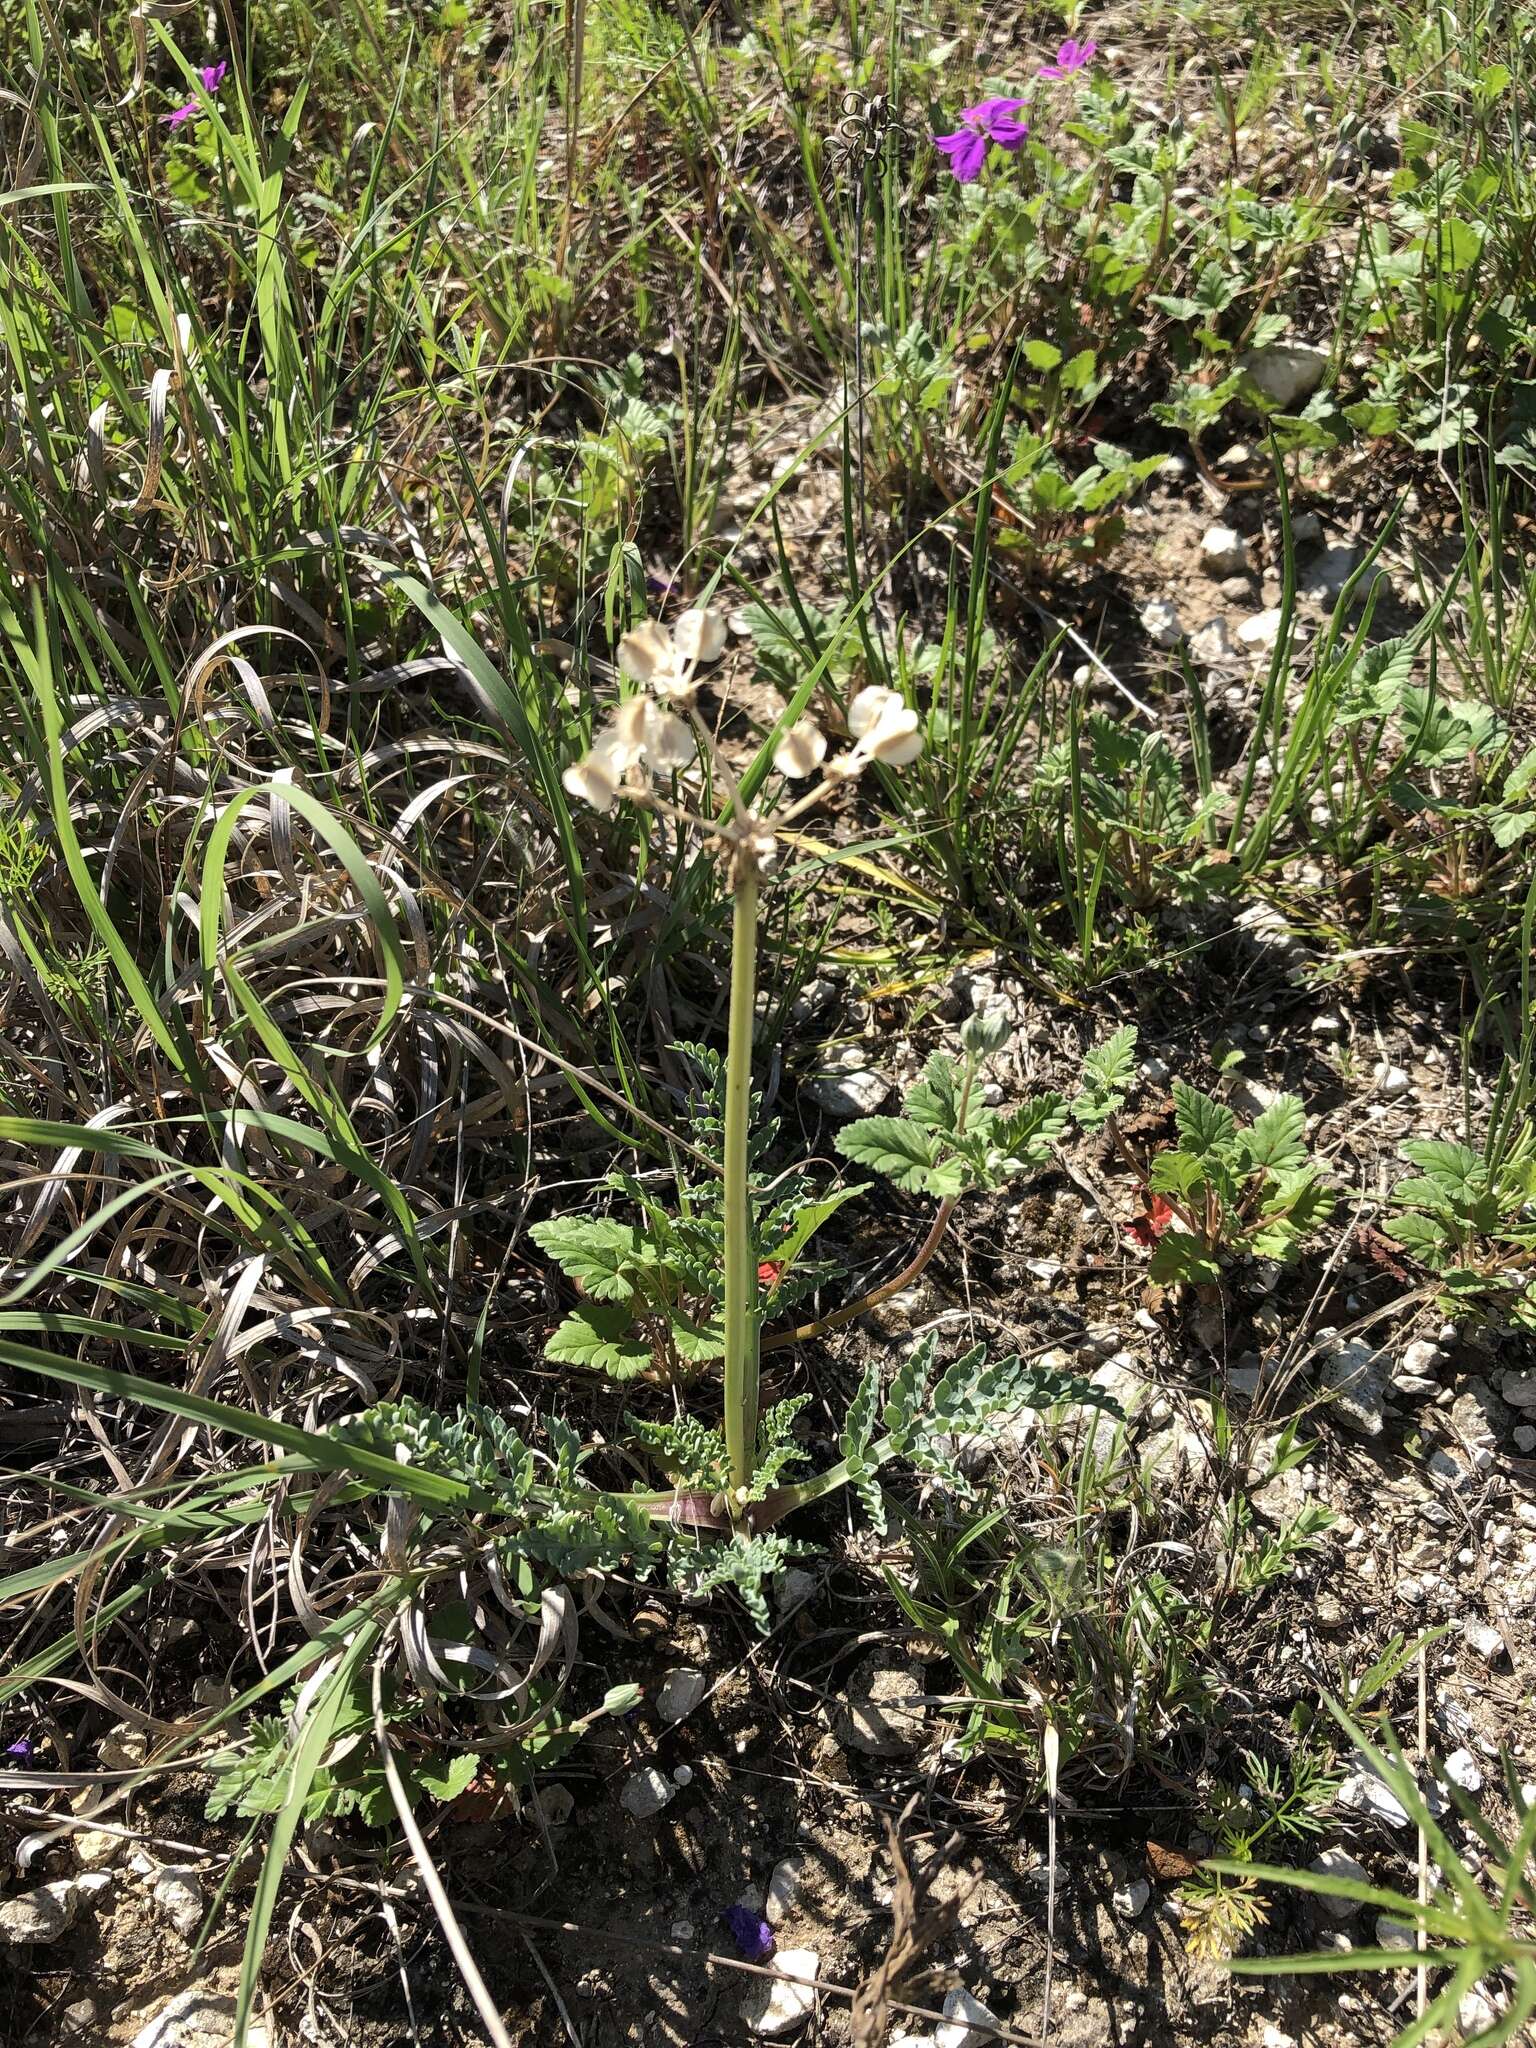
x: 1223, y: 552
x: 780, y: 2005
x: 1261, y: 631
x: 38, y: 1916
x: 1161, y: 623
x: 1337, y: 1862
x: 967, y: 2022
x: 858, y: 1092
x: 646, y: 1793
x: 1461, y: 1768
x: 681, y: 1691
x: 884, y: 1711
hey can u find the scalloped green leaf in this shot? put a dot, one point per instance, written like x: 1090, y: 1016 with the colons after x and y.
x: 602, y: 1256
x: 600, y: 1336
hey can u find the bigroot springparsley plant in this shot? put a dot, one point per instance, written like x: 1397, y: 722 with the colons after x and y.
x: 729, y: 1486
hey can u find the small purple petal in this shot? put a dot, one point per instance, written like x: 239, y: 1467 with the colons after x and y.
x: 214, y: 75
x: 967, y: 152
x: 985, y: 112
x: 21, y: 1750
x: 1071, y: 56
x: 1006, y: 132
x: 750, y: 1932
x: 186, y: 113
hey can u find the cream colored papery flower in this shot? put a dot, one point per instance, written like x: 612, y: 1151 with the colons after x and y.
x: 885, y: 727
x: 639, y: 734
x: 665, y: 661
x: 646, y: 651
x: 668, y: 742
x: 801, y: 751
x: 597, y: 776
x: 699, y: 635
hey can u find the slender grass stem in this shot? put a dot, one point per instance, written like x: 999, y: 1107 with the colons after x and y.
x: 741, y: 1359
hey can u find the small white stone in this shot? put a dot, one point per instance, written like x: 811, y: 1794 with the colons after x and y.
x: 779, y: 2005
x: 199, y: 2018
x: 791, y: 1589
x: 1392, y: 1933
x: 1337, y: 1862
x: 179, y: 1895
x: 1223, y: 552
x: 1390, y: 1081
x: 646, y: 1793
x: 1461, y: 1768
x: 1328, y: 1025
x: 784, y: 1885
x: 1286, y: 373
x: 967, y: 2022
x: 1421, y: 1357
x: 1485, y: 1639
x: 681, y: 1691
x: 1519, y: 1389
x: 95, y: 1848
x: 1525, y: 1438
x: 1476, y: 2013
x: 682, y: 1930
x: 858, y: 1092
x: 1261, y: 631
x: 683, y: 1775
x: 1131, y: 1899
x: 1363, y: 1792
x: 38, y: 1916
x: 1161, y: 623
x: 1211, y: 646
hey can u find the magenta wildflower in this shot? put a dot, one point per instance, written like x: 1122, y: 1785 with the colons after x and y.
x: 988, y: 122
x: 1071, y: 56
x: 212, y: 76
x: 750, y: 1932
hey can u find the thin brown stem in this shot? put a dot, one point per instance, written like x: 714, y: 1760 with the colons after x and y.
x: 925, y: 1252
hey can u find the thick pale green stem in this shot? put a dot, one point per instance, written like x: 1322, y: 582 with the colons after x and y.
x: 740, y: 1267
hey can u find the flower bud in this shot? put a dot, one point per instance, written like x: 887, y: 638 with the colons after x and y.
x: 985, y: 1034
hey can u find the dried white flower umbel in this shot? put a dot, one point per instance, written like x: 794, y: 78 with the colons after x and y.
x: 645, y: 737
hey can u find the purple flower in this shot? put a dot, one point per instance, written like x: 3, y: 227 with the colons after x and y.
x: 1071, y: 56
x: 990, y: 121
x: 21, y: 1750
x: 750, y: 1932
x: 212, y: 77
